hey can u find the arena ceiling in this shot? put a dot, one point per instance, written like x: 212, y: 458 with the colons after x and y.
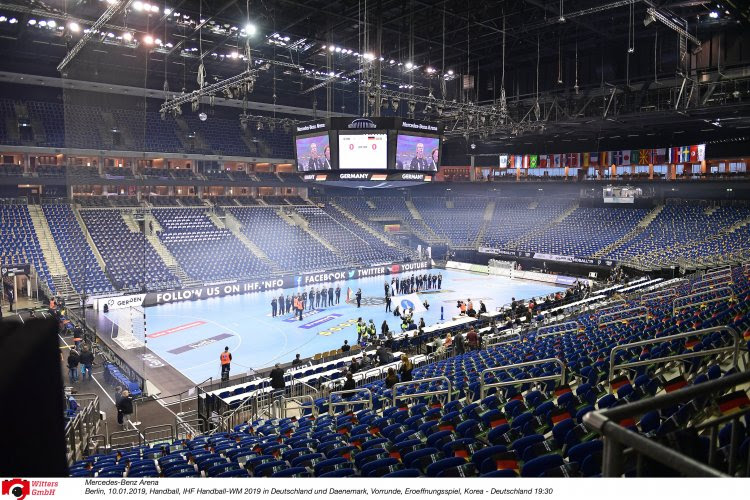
x: 495, y: 72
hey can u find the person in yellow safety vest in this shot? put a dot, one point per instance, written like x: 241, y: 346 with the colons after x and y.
x: 225, y: 358
x: 360, y: 329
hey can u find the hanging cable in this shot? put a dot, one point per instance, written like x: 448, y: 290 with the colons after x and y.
x: 559, y: 59
x: 576, y: 84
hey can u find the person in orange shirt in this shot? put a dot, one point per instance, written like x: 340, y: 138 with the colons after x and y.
x: 225, y: 358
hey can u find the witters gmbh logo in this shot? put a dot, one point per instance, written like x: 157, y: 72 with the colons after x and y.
x: 18, y: 489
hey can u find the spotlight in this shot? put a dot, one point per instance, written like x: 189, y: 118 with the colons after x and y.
x: 32, y: 22
x: 250, y: 29
x: 137, y: 5
x: 3, y: 19
x: 51, y: 23
x: 203, y: 117
x: 450, y: 72
x: 148, y: 40
x: 631, y: 50
x: 713, y: 14
x: 74, y: 27
x: 13, y: 20
x: 331, y: 48
x: 409, y: 65
x: 127, y: 36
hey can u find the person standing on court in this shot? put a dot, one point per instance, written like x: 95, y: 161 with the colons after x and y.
x: 281, y: 304
x: 225, y: 358
x: 330, y: 296
x: 338, y: 294
x: 387, y: 303
x: 273, y: 307
x: 324, y: 297
x: 288, y: 306
x: 359, y: 297
x: 440, y: 280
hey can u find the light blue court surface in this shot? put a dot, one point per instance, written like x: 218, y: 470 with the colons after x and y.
x: 191, y: 335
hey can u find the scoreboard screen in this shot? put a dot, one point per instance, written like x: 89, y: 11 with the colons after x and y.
x: 363, y: 151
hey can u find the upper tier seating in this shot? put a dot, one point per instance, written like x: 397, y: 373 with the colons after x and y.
x: 204, y: 251
x: 80, y: 262
x: 124, y: 252
x: 81, y: 126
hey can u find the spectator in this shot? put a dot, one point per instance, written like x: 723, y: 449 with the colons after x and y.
x: 384, y: 356
x: 124, y: 409
x: 405, y: 369
x: 73, y: 360
x: 459, y: 344
x: 346, y: 347
x: 391, y: 379
x: 277, y: 378
x: 354, y: 366
x: 296, y: 361
x: 472, y: 339
x: 87, y: 360
x: 349, y: 384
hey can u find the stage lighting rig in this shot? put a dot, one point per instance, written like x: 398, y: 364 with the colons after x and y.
x: 246, y: 79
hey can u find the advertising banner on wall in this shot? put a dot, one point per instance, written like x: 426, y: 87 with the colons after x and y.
x: 549, y: 256
x: 287, y: 281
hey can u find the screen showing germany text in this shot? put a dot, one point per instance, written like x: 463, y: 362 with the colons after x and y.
x: 363, y: 151
x: 415, y: 152
x: 313, y: 153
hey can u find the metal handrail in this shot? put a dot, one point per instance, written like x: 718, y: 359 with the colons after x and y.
x: 661, y: 340
x: 572, y: 326
x: 660, y: 294
x: 616, y: 304
x: 676, y: 308
x: 616, y: 437
x: 159, y: 430
x: 502, y: 339
x: 638, y: 312
x: 719, y: 272
x: 447, y: 391
x: 347, y: 402
x: 298, y: 400
x: 705, y: 283
x: 483, y: 386
x: 131, y: 437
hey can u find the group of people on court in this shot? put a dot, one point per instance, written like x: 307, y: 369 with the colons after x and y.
x: 414, y: 283
x: 307, y: 300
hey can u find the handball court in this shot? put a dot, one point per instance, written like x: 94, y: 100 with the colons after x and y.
x: 184, y: 339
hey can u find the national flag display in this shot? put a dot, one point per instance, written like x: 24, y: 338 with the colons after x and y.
x: 533, y: 161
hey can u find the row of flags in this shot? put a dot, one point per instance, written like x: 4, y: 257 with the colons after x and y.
x: 681, y: 154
